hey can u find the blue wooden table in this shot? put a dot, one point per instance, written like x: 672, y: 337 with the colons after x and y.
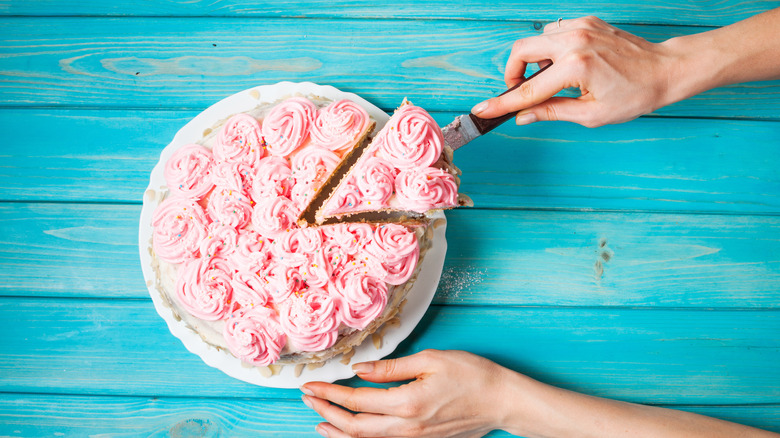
x: 639, y: 261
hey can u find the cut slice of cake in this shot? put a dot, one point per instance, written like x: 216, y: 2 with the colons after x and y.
x: 405, y: 172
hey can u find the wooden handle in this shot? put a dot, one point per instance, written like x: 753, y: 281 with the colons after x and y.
x: 486, y: 125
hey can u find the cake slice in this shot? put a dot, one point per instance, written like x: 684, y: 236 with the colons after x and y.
x: 404, y: 173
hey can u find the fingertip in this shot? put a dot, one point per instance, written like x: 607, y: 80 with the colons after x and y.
x: 363, y: 368
x: 526, y: 118
x: 324, y: 429
x: 476, y: 110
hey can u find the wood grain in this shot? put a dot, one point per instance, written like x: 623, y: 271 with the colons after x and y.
x: 523, y: 257
x: 648, y: 164
x: 171, y: 63
x: 656, y: 11
x: 39, y: 415
x: 122, y: 347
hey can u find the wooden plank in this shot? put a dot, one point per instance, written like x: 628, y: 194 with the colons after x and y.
x: 648, y: 164
x: 522, y: 258
x: 655, y: 356
x: 52, y: 415
x: 192, y: 63
x: 656, y: 11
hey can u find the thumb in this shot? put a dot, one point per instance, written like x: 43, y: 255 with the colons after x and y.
x: 391, y: 370
x: 560, y: 108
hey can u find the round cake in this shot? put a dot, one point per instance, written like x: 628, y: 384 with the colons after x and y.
x: 231, y: 261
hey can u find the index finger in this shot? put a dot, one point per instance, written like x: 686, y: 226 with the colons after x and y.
x: 362, y: 399
x: 528, y: 94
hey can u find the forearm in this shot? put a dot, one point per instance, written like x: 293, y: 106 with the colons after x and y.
x: 537, y: 410
x: 745, y: 51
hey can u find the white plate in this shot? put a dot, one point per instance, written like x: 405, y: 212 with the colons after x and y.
x: 418, y: 299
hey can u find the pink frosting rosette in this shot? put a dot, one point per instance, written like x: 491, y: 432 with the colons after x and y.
x: 273, y: 217
x: 234, y: 175
x: 248, y: 292
x: 310, y: 320
x: 361, y: 298
x: 282, y: 281
x: 179, y: 226
x: 338, y: 125
x: 188, y: 171
x: 335, y: 256
x: 220, y: 240
x: 346, y: 198
x: 287, y: 125
x: 255, y: 336
x: 396, y: 248
x: 239, y: 140
x: 316, y: 271
x: 204, y: 287
x: 375, y: 178
x: 271, y: 178
x: 423, y: 189
x: 314, y: 163
x: 229, y: 207
x: 250, y: 247
x: 293, y: 248
x: 411, y: 138
x: 349, y: 237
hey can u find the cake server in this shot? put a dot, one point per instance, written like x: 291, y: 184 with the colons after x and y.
x: 467, y: 127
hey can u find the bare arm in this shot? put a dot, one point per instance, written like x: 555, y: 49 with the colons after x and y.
x: 622, y: 76
x: 458, y: 394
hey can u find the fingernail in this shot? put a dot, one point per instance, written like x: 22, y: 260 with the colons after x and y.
x: 306, y: 390
x: 524, y: 119
x: 363, y: 368
x: 306, y: 401
x: 321, y: 430
x: 478, y: 108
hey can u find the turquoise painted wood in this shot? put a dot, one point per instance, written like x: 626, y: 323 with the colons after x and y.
x: 36, y: 415
x: 550, y: 259
x: 163, y: 63
x: 638, y: 261
x: 656, y: 12
x: 659, y: 356
x: 644, y: 165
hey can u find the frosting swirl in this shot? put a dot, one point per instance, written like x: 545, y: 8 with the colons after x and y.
x: 282, y: 281
x: 287, y: 125
x: 392, y: 242
x: 338, y: 125
x: 411, y: 138
x: 362, y: 298
x: 220, y: 240
x: 375, y: 179
x: 314, y: 163
x: 188, y: 171
x: 272, y: 177
x: 239, y: 140
x: 255, y: 336
x: 346, y: 198
x: 250, y: 248
x: 179, y: 226
x: 310, y: 320
x: 423, y: 189
x: 229, y: 207
x: 233, y: 175
x: 348, y: 237
x: 274, y: 216
x: 204, y: 287
x: 248, y: 292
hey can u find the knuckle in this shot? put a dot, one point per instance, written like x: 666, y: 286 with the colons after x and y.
x: 390, y: 366
x: 412, y: 429
x: 411, y: 409
x: 551, y: 113
x: 526, y: 90
x: 581, y: 36
x: 351, y: 401
x: 518, y: 45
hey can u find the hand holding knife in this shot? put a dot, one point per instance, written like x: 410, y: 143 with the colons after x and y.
x: 467, y: 127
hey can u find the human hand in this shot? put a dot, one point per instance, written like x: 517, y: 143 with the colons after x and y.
x: 620, y: 76
x: 454, y: 394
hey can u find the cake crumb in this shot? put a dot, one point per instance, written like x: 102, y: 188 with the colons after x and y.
x: 314, y: 365
x: 255, y: 94
x: 299, y: 369
x: 150, y: 194
x: 265, y: 372
x: 377, y: 339
x: 206, y: 132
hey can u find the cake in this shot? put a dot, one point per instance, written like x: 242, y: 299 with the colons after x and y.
x: 406, y: 171
x: 234, y: 266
